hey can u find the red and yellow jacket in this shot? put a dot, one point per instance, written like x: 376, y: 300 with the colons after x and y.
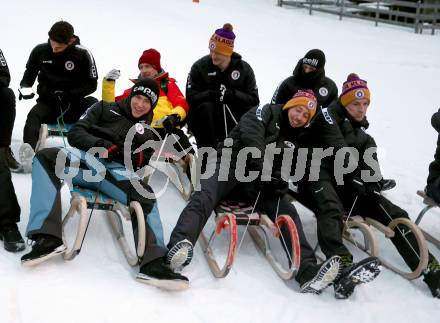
x: 171, y: 100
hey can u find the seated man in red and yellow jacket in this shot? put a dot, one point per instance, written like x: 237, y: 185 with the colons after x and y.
x: 171, y: 109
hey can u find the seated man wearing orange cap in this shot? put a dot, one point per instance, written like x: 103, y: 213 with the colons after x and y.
x: 171, y: 109
x: 359, y: 193
x: 221, y: 87
x: 272, y: 126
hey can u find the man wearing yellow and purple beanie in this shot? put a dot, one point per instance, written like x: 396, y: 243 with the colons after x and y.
x: 221, y: 87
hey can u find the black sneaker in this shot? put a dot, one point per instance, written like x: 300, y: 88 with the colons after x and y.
x: 45, y: 247
x: 327, y: 273
x: 180, y: 255
x: 432, y: 278
x: 387, y: 184
x: 158, y: 274
x: 11, y: 162
x: 362, y: 272
x: 12, y: 239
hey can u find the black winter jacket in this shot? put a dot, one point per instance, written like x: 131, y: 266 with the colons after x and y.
x: 73, y: 71
x: 355, y: 136
x: 107, y: 123
x: 5, y: 77
x: 205, y: 79
x: 324, y: 88
x: 269, y: 124
x: 434, y: 167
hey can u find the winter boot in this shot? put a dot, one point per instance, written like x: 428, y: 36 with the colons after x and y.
x: 432, y: 278
x: 326, y: 274
x: 26, y: 153
x: 180, y: 255
x: 12, y: 163
x: 12, y: 239
x: 157, y: 273
x: 387, y: 184
x: 362, y: 272
x: 45, y: 247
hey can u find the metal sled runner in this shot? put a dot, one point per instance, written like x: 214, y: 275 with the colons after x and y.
x: 430, y: 203
x: 371, y: 245
x: 84, y: 199
x: 231, y: 214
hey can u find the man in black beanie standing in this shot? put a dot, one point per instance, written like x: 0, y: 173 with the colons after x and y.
x: 67, y: 74
x: 309, y: 73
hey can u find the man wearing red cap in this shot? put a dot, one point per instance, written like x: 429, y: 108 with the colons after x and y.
x: 221, y: 87
x: 171, y: 109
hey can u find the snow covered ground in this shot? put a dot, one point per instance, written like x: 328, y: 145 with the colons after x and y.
x: 402, y: 71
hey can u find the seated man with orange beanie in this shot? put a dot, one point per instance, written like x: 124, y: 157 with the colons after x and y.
x: 360, y: 192
x: 171, y: 109
x: 221, y: 87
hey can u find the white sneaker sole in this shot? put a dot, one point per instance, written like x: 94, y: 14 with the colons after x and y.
x: 33, y: 262
x: 323, y: 279
x: 171, y: 285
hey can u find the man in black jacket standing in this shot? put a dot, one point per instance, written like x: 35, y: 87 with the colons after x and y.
x: 221, y: 87
x: 106, y: 125
x: 9, y: 207
x: 309, y: 73
x: 66, y: 73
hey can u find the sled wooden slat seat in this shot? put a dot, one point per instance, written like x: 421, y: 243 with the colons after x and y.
x: 51, y: 130
x: 230, y: 214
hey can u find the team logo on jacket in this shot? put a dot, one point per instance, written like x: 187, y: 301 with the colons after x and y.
x: 359, y: 94
x: 289, y: 144
x: 235, y: 75
x: 69, y: 65
x: 2, y: 59
x: 139, y: 128
x: 323, y: 91
x: 327, y: 116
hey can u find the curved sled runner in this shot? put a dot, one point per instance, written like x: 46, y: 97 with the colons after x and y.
x: 84, y: 199
x: 231, y: 214
x: 430, y: 203
x: 371, y: 246
x: 51, y: 130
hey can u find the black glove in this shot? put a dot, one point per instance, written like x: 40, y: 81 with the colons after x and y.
x: 373, y: 189
x: 255, y: 164
x: 113, y: 151
x: 276, y: 187
x: 170, y: 122
x: 228, y: 96
x: 358, y: 186
x: 25, y: 93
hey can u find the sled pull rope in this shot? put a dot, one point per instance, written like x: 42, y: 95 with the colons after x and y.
x: 249, y: 220
x: 281, y: 234
x: 224, y: 120
x: 90, y: 217
x: 403, y: 235
x: 348, y: 218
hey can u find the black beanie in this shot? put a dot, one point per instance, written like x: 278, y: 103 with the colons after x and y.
x: 148, y: 88
x: 315, y: 58
x: 61, y: 32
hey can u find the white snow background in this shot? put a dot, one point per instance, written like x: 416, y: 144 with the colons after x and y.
x: 402, y: 70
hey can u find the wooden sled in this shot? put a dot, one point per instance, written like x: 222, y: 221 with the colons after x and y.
x: 51, y: 130
x: 84, y: 199
x: 430, y: 203
x: 371, y: 246
x: 230, y: 214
